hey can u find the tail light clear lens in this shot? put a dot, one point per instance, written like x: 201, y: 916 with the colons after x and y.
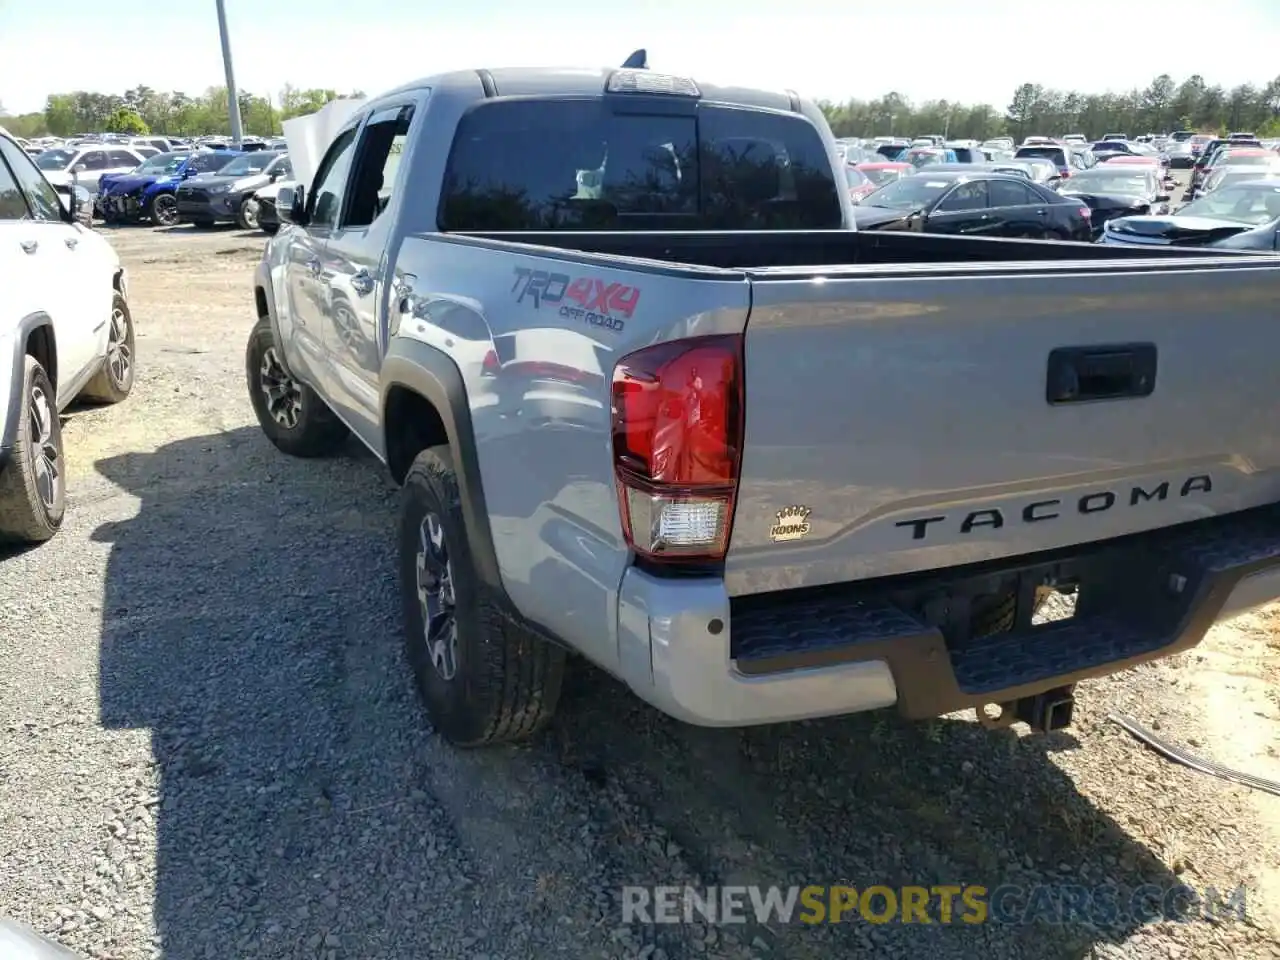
x: 677, y: 446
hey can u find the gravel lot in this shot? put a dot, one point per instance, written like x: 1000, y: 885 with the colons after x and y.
x: 209, y: 745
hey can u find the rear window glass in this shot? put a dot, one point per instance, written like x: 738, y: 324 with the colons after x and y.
x: 1055, y: 154
x: 575, y: 164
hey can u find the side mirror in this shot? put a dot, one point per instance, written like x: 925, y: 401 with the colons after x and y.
x: 190, y: 172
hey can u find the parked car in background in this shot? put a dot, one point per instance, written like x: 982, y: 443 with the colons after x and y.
x: 1228, y: 155
x: 1111, y: 191
x: 923, y: 156
x: 1231, y: 174
x: 975, y: 203
x: 227, y: 195
x: 1056, y: 154
x: 1217, y: 216
x: 265, y: 200
x: 86, y: 165
x: 148, y: 192
x: 886, y: 171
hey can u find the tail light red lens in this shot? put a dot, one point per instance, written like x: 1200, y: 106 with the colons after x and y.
x: 1086, y: 212
x: 677, y: 446
x: 491, y: 364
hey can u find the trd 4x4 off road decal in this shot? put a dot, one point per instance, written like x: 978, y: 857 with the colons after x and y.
x: 593, y: 301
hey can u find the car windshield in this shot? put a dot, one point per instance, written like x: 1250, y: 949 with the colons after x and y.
x: 1230, y: 176
x: 1232, y: 158
x: 55, y: 159
x: 162, y: 163
x: 925, y: 156
x: 909, y: 193
x: 1254, y: 205
x: 882, y: 175
x: 250, y: 163
x: 1106, y: 181
x: 209, y: 161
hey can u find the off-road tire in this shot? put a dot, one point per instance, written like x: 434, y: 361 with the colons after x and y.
x: 507, y: 679
x: 24, y: 517
x: 108, y: 386
x: 317, y: 432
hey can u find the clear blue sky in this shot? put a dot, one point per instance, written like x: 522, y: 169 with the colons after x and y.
x: 977, y: 50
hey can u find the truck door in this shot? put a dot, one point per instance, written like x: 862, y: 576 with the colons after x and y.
x: 358, y: 268
x: 306, y: 269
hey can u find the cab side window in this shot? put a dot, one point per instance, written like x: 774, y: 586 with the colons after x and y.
x: 326, y: 201
x: 1006, y: 193
x: 93, y: 160
x: 12, y: 204
x: 42, y: 198
x: 377, y: 160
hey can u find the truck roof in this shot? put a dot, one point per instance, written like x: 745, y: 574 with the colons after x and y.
x: 576, y: 82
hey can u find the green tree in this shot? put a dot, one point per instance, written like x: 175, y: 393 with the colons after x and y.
x: 126, y: 120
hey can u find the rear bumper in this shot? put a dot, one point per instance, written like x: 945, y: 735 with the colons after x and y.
x: 697, y: 654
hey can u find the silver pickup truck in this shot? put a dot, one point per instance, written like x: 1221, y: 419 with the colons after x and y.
x: 652, y: 401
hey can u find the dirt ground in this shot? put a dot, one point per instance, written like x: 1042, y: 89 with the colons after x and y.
x: 209, y: 746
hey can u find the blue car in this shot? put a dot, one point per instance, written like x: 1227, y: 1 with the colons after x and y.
x: 147, y: 191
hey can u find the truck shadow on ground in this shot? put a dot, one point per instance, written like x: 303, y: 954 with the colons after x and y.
x: 251, y: 623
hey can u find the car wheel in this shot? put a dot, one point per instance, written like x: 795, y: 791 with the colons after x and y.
x: 483, y: 678
x: 114, y: 381
x: 33, y: 484
x: 291, y: 414
x: 248, y: 215
x: 164, y: 210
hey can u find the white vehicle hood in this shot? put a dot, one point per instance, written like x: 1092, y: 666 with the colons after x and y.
x: 308, y: 137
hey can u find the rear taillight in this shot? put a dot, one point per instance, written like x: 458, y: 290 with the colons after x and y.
x: 491, y: 364
x: 677, y: 445
x: 1085, y: 212
x: 1065, y: 173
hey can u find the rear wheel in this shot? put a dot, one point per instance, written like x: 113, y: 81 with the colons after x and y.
x: 33, y: 483
x: 483, y: 678
x: 291, y: 414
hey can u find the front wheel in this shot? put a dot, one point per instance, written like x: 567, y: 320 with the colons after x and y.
x: 33, y: 484
x: 164, y: 210
x: 291, y: 414
x: 483, y: 678
x: 247, y: 218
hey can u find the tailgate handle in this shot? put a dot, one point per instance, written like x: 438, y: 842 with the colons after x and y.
x: 1105, y: 372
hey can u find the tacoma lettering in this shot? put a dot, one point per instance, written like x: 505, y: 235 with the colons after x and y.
x: 1039, y: 511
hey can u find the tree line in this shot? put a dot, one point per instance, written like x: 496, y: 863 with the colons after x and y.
x: 1165, y: 105
x: 143, y: 110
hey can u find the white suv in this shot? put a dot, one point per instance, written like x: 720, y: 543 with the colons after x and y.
x: 65, y: 331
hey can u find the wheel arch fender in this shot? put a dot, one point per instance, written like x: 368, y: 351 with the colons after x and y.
x: 34, y: 336
x: 424, y: 403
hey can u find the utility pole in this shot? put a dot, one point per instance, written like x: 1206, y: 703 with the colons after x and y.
x: 233, y: 100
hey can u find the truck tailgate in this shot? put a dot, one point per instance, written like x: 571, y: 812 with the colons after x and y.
x: 900, y: 420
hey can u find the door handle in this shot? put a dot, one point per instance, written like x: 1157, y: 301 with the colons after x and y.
x: 29, y: 246
x: 1109, y: 372
x: 71, y: 243
x: 1041, y: 212
x: 362, y: 283
x: 313, y: 264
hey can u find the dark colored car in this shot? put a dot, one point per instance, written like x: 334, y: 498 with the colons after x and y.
x: 1265, y: 237
x: 147, y: 192
x: 1207, y: 156
x: 975, y: 203
x: 227, y: 195
x: 1224, y: 213
x: 1112, y: 191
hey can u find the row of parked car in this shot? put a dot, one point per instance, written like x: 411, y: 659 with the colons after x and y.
x: 1110, y: 191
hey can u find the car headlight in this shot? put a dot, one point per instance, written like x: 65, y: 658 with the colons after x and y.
x: 218, y: 188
